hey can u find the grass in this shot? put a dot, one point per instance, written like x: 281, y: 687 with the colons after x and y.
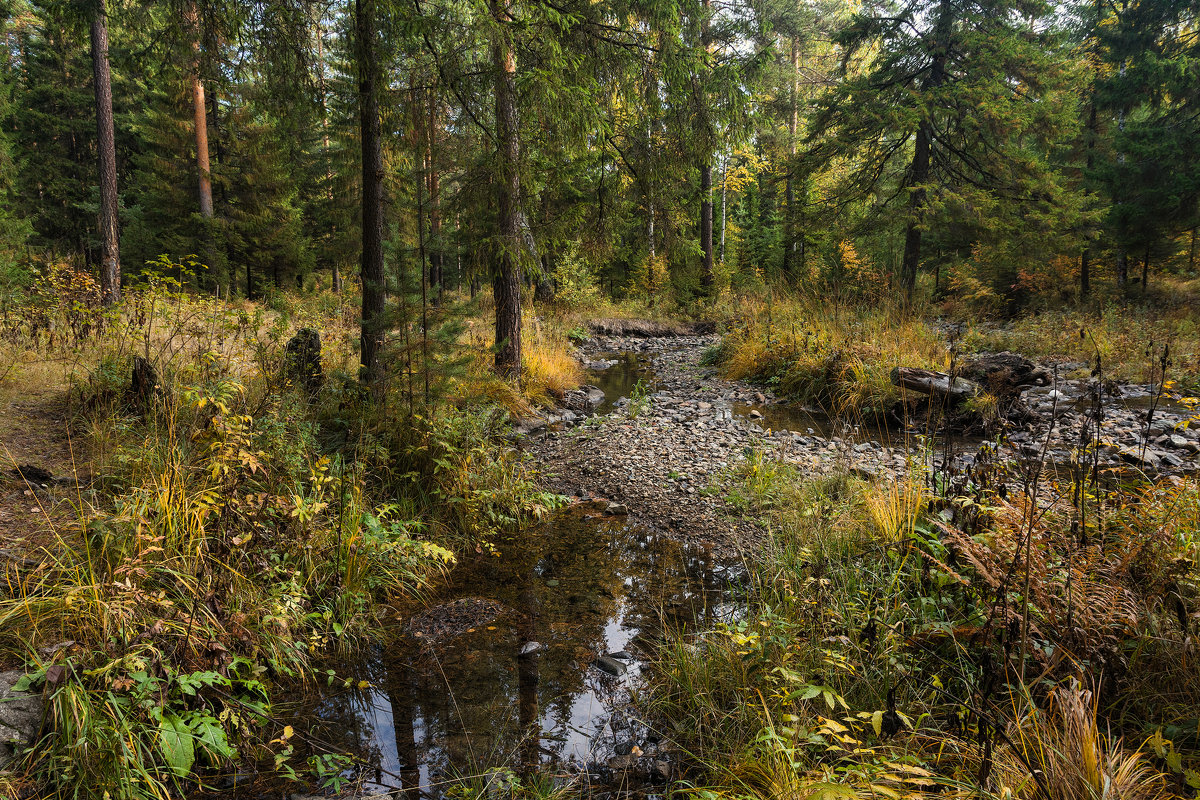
x: 841, y: 358
x: 880, y: 654
x: 1128, y: 339
x: 230, y: 533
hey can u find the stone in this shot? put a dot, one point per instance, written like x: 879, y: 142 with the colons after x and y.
x: 20, y: 717
x: 616, y: 509
x: 524, y: 426
x: 610, y: 665
x: 1138, y: 458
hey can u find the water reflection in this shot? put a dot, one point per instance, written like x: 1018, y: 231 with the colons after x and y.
x: 621, y: 376
x: 517, y: 687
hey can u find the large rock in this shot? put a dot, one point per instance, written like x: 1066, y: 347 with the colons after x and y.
x: 20, y: 717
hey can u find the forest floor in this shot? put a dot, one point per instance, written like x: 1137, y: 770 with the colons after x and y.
x: 35, y: 433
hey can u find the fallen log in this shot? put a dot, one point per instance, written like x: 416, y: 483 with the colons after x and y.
x: 1005, y: 374
x: 937, y: 384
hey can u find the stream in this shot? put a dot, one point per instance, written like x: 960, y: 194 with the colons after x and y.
x: 526, y: 660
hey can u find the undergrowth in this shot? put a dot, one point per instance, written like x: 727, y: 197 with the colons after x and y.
x: 231, y: 529
x: 891, y: 648
x: 838, y: 357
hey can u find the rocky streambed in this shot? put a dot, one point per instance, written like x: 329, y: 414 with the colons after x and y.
x: 666, y: 450
x: 529, y: 663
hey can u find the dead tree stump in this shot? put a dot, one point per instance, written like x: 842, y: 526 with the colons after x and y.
x: 302, y: 361
x: 143, y: 385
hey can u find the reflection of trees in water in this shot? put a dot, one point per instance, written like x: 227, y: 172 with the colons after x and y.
x: 339, y: 719
x: 463, y: 705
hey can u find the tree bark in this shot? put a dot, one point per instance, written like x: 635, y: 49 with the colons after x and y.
x: 373, y: 288
x: 1146, y: 269
x: 1085, y: 273
x: 335, y: 277
x: 435, y: 204
x: 916, y: 206
x: 110, y: 255
x: 200, y: 117
x: 1122, y: 270
x: 706, y: 225
x: 506, y: 283
x: 922, y: 154
x: 789, y: 219
x: 706, y: 204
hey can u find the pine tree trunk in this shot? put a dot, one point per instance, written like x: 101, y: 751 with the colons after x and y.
x: 1085, y: 274
x: 110, y: 255
x: 372, y: 192
x: 789, y: 219
x: 335, y: 277
x: 706, y: 205
x: 706, y: 225
x: 200, y: 116
x: 916, y: 206
x: 1146, y: 270
x: 1122, y: 270
x: 506, y: 283
x: 724, y: 197
x: 435, y: 206
x: 919, y: 171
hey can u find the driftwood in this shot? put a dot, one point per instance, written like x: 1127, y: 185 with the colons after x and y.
x: 938, y: 384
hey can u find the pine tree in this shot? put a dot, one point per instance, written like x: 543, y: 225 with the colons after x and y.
x: 953, y: 101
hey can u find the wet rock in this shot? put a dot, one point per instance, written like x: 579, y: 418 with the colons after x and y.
x: 616, y: 509
x: 529, y: 648
x: 526, y: 426
x: 20, y: 717
x: 1138, y: 458
x: 610, y: 665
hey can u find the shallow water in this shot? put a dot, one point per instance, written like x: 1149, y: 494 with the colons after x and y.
x: 620, y: 379
x: 471, y: 686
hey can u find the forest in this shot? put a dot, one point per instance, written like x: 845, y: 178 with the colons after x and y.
x: 532, y: 399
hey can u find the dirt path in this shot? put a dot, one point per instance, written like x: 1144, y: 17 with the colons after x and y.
x: 35, y: 432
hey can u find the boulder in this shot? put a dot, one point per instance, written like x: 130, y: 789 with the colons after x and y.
x: 20, y: 718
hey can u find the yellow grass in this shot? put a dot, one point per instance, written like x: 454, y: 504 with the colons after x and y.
x: 840, y: 357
